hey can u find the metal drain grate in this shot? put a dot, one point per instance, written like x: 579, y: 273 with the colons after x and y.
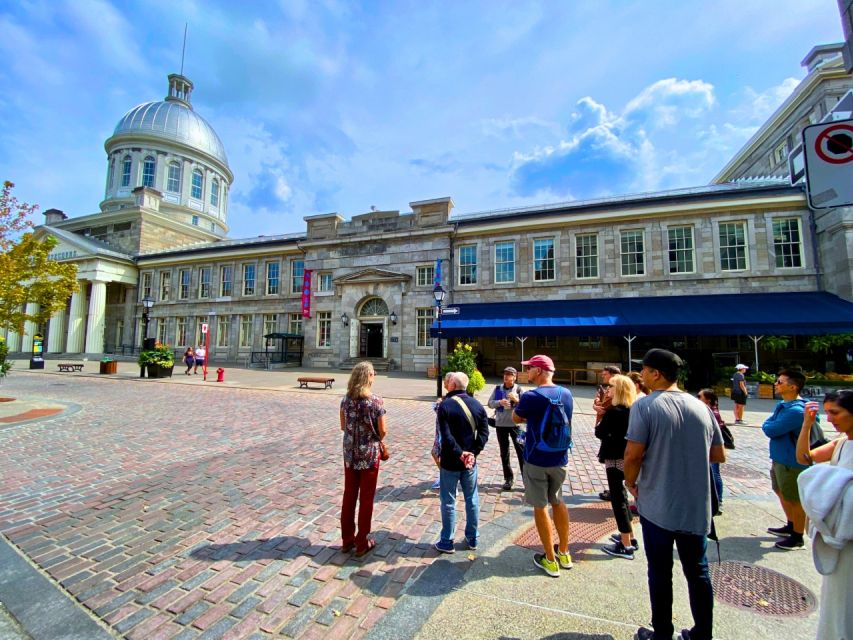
x: 761, y: 590
x: 590, y: 523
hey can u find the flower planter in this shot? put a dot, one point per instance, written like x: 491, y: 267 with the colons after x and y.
x: 158, y: 371
x: 109, y: 368
x: 765, y: 391
x: 432, y: 372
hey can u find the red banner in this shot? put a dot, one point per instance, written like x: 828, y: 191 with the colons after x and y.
x: 306, y: 293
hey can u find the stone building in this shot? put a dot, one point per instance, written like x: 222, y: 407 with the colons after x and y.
x: 161, y: 234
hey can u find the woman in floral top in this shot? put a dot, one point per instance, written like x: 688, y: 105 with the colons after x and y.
x: 363, y: 424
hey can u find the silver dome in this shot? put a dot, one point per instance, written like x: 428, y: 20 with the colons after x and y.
x: 172, y: 121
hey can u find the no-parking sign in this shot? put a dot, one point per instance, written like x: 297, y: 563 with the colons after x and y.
x: 829, y: 164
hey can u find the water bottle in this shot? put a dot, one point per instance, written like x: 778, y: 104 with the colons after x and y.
x: 521, y: 435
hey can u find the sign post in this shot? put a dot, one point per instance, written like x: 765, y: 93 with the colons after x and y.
x: 206, y: 333
x: 828, y: 150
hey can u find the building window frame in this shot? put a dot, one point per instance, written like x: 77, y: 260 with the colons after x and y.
x: 226, y: 281
x: 273, y: 278
x: 126, y: 168
x: 145, y: 289
x: 504, y: 261
x: 297, y: 273
x: 467, y: 269
x: 184, y: 276
x: 181, y: 331
x: 162, y: 327
x: 734, y: 254
x: 173, y: 179
x: 587, y: 256
x: 324, y: 329
x: 270, y: 323
x: 788, y: 242
x: 249, y: 275
x: 294, y: 323
x: 165, y: 285
x: 544, y: 259
x: 204, y: 283
x: 632, y: 252
x: 149, y: 171
x: 425, y: 275
x: 245, y: 339
x: 423, y: 318
x: 214, y: 193
x: 197, y: 188
x: 223, y: 331
x: 324, y: 281
x: 681, y: 249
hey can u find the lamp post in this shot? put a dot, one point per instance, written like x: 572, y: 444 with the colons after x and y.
x: 438, y: 293
x: 147, y: 303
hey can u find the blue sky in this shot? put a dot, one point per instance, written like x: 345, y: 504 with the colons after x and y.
x: 336, y: 106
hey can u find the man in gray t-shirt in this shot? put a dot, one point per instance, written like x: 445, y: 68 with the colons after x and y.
x: 672, y: 439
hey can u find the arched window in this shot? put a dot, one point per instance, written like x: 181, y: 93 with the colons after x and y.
x: 173, y: 183
x: 198, y: 184
x: 125, y: 172
x: 214, y: 193
x: 149, y: 166
x: 374, y: 307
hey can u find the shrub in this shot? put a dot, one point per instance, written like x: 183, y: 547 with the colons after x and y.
x: 161, y: 355
x: 463, y: 359
x: 4, y: 366
x: 475, y: 382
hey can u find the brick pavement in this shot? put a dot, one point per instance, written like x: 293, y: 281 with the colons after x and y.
x: 173, y: 511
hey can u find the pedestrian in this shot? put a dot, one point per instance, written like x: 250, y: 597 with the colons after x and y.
x: 642, y: 389
x: 672, y: 438
x: 189, y: 359
x: 363, y: 423
x: 503, y: 400
x: 713, y: 403
x: 739, y: 392
x: 783, y: 428
x: 544, y: 469
x: 611, y: 431
x: 602, y: 402
x: 435, y: 452
x: 464, y: 432
x: 826, y: 491
x: 199, y: 358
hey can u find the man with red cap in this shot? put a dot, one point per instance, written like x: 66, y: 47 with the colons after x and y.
x: 545, y: 470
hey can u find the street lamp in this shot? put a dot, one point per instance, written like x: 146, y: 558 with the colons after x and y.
x: 147, y: 303
x: 438, y: 293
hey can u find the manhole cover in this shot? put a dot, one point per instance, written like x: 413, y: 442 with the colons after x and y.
x: 589, y: 524
x: 761, y: 590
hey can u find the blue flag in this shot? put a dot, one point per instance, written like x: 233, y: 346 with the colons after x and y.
x: 437, y: 272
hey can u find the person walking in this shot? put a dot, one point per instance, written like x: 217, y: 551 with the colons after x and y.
x: 189, y: 359
x: 672, y: 438
x: 503, y: 399
x: 464, y: 432
x: 199, y: 358
x: 545, y: 471
x: 739, y: 392
x: 611, y: 431
x: 363, y: 423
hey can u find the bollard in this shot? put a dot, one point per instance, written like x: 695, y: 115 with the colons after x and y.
x: 220, y: 375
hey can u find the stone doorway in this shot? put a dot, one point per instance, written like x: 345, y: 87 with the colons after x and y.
x: 371, y: 340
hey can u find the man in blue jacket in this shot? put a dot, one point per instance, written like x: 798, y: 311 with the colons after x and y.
x: 783, y: 427
x: 464, y: 432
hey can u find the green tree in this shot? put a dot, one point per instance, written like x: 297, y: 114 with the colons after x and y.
x: 824, y: 344
x: 27, y: 275
x: 463, y: 359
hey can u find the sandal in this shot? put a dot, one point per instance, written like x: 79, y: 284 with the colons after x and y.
x: 363, y: 552
x: 347, y: 548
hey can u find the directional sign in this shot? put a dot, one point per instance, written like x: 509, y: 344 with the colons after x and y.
x: 204, y: 327
x: 450, y: 311
x: 829, y: 164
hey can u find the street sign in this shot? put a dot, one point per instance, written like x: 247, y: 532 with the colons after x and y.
x: 204, y: 327
x: 797, y: 164
x: 829, y: 164
x: 450, y: 311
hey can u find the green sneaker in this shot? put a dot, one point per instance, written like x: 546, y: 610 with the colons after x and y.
x: 548, y: 566
x: 564, y: 559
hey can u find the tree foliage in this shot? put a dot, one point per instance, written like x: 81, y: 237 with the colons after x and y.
x: 824, y: 344
x: 26, y: 273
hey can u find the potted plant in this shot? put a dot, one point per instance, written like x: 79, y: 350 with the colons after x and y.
x: 4, y: 366
x: 159, y: 361
x: 108, y: 366
x: 765, y: 383
x: 463, y: 359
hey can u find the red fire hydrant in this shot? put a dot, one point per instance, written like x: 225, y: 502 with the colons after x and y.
x: 220, y: 375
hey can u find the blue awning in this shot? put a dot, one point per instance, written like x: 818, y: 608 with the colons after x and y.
x: 809, y: 313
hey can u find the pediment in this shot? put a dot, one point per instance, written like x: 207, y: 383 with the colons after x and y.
x: 72, y: 246
x: 372, y: 275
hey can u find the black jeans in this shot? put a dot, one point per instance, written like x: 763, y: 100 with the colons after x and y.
x: 619, y: 499
x: 505, y: 434
x: 657, y: 543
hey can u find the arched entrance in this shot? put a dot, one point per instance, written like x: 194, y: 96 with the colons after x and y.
x: 372, y: 322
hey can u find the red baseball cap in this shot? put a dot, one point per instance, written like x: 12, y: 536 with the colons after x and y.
x: 543, y: 362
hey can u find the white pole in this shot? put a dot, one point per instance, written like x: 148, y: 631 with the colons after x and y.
x: 755, y: 341
x: 521, y: 340
x: 630, y: 340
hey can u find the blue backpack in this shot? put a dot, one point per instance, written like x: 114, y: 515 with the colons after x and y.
x: 555, y: 435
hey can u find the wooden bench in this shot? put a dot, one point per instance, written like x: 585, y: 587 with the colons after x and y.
x: 70, y: 367
x: 303, y: 382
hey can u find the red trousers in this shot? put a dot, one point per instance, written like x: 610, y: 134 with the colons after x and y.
x: 359, y: 486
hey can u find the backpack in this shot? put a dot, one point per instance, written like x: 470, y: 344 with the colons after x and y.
x: 555, y: 434
x: 817, y: 438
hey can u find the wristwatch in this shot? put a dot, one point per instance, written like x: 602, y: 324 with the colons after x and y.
x: 630, y: 486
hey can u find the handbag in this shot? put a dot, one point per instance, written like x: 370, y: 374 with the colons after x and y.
x: 728, y: 437
x: 384, y: 451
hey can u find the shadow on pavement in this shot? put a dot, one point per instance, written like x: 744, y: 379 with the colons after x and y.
x: 275, y: 548
x: 567, y: 636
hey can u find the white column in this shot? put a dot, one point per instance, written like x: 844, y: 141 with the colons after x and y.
x: 74, y: 342
x: 129, y: 317
x: 30, y: 329
x: 97, y: 313
x: 13, y: 341
x: 56, y: 332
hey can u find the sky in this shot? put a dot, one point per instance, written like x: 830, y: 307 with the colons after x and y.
x: 331, y: 106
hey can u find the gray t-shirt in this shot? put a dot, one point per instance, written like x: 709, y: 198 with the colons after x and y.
x: 675, y: 478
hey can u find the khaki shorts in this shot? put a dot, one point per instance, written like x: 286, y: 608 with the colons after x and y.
x: 543, y: 485
x: 783, y: 479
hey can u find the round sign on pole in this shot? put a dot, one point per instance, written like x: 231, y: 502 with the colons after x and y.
x: 828, y: 155
x: 835, y: 144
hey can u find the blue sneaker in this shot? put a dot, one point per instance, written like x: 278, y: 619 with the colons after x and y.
x: 436, y: 484
x: 444, y: 547
x: 472, y: 544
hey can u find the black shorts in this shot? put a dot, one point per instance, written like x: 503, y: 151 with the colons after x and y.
x: 738, y: 397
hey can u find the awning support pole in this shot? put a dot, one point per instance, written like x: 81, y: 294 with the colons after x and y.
x: 629, y: 338
x: 755, y: 341
x: 521, y: 340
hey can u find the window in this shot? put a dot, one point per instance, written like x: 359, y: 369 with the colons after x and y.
x: 504, y: 262
x: 589, y: 342
x: 245, y: 331
x: 468, y: 264
x: 198, y: 184
x: 324, y: 281
x: 248, y: 279
x: 270, y: 323
x: 165, y: 281
x: 425, y: 317
x: 199, y: 336
x: 374, y: 307
x: 543, y: 259
x: 180, y: 332
x: 504, y: 342
x: 225, y: 280
x: 786, y: 243
x: 680, y: 249
x: 125, y: 171
x: 214, y: 193
x: 173, y: 181
x: 586, y: 255
x: 184, y: 284
x: 733, y: 246
x: 161, y: 330
x: 119, y: 332
x: 324, y: 328
x: 146, y: 285
x: 295, y: 324
x: 297, y: 270
x: 149, y: 167
x: 780, y: 154
x: 633, y: 255
x: 204, y: 282
x: 426, y: 276
x: 272, y: 278
x: 223, y: 329
x: 546, y: 342
x: 195, y: 221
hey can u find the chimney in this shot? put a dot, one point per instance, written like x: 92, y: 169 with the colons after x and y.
x: 54, y: 216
